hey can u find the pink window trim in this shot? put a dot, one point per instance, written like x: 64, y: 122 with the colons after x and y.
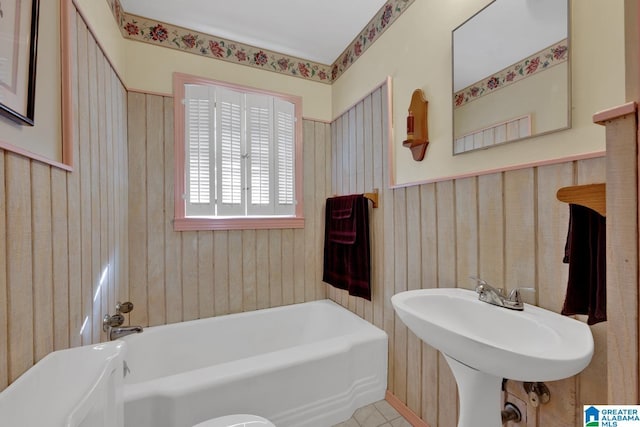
x: 182, y: 223
x: 197, y: 224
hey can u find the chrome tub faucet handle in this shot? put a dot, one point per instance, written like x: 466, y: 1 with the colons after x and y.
x: 124, y: 307
x: 112, y: 323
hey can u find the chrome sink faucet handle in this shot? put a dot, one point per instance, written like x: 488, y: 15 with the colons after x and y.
x: 514, y: 300
x: 488, y: 293
x: 491, y: 295
x: 515, y: 297
x: 483, y: 286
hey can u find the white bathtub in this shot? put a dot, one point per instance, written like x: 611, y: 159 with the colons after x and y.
x: 303, y: 365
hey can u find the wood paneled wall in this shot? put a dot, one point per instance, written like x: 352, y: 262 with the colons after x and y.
x: 178, y: 276
x: 622, y: 251
x: 506, y: 227
x: 63, y: 247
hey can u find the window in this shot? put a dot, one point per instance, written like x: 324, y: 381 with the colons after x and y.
x: 238, y: 157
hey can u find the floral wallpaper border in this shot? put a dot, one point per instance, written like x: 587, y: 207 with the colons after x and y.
x: 174, y: 37
x: 371, y: 32
x: 536, y: 63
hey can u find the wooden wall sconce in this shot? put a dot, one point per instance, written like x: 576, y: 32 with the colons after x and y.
x: 417, y: 129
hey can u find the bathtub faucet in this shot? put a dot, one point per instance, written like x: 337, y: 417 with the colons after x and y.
x: 113, y: 324
x: 123, y: 331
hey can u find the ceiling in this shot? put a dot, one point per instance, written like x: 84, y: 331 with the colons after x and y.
x: 308, y: 29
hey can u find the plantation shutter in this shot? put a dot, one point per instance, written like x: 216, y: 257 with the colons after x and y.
x: 284, y: 146
x: 239, y: 153
x: 260, y: 159
x: 199, y: 156
x: 229, y: 149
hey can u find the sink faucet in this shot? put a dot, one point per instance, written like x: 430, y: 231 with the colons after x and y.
x: 491, y: 295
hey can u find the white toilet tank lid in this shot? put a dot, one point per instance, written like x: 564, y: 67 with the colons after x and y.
x: 237, y: 420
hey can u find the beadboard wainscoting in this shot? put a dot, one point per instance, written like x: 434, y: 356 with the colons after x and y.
x: 63, y: 236
x: 178, y: 276
x: 507, y: 227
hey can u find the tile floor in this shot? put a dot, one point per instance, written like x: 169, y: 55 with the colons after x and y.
x: 379, y: 414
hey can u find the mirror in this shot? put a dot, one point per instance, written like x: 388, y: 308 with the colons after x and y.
x: 511, y: 73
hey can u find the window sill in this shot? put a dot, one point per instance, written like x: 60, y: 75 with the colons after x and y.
x: 200, y: 224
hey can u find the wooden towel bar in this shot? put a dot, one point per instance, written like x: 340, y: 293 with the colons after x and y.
x: 373, y: 196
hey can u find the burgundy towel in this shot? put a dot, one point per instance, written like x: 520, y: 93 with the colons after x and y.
x: 585, y: 252
x: 347, y: 263
x: 343, y: 222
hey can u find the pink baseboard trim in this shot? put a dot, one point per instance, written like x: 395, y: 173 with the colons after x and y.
x: 403, y: 410
x: 614, y: 113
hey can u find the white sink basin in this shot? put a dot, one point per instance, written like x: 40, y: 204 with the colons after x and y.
x: 530, y: 345
x: 484, y: 343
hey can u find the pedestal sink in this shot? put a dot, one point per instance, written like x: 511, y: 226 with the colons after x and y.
x: 484, y: 343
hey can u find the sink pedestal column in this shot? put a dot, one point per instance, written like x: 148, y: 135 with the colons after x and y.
x: 480, y: 396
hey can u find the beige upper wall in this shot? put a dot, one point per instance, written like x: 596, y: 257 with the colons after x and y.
x: 149, y: 68
x: 45, y: 137
x: 416, y: 53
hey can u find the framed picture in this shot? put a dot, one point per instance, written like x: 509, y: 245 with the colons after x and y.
x: 18, y: 49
